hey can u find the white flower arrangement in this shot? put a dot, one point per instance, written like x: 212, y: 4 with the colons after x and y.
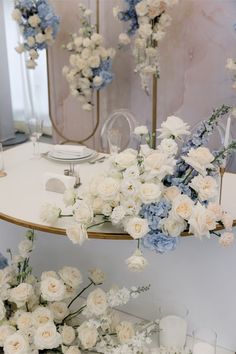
x: 148, y: 21
x: 38, y: 26
x: 231, y: 65
x: 90, y: 62
x: 43, y: 315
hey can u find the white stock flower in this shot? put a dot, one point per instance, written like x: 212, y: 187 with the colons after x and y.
x: 168, y: 146
x: 159, y: 164
x: 59, y: 311
x: 150, y: 192
x: 42, y: 316
x: 77, y: 233
x: 21, y: 294
x: 126, y: 158
x: 88, y: 335
x: 174, y: 226
x: 16, y: 343
x: 137, y: 262
x: 52, y: 289
x: 69, y: 197
x: 200, y: 159
x: 49, y: 213
x: 182, y: 207
x: 118, y: 214
x: 5, y: 332
x: 68, y: 335
x: 173, y: 127
x: 171, y: 193
x: 206, y: 187
x: 34, y: 20
x: 47, y: 337
x: 83, y: 213
x: 124, y: 39
x: 201, y: 221
x: 97, y: 276
x: 141, y: 130
x: 97, y: 302
x: 71, y: 276
x: 125, y: 332
x: 108, y: 188
x: 25, y: 247
x: 137, y: 227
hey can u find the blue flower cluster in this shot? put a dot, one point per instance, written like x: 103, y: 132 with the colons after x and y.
x: 3, y: 262
x: 105, y: 72
x: 130, y: 15
x: 159, y: 242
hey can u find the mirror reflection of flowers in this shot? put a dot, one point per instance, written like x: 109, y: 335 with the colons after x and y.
x: 148, y: 21
x: 38, y: 26
x: 231, y: 65
x: 90, y: 62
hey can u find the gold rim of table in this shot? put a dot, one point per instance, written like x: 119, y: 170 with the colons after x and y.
x: 93, y: 235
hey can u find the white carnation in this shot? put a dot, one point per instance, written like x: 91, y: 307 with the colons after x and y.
x: 118, y: 214
x: 168, y: 146
x: 83, y: 213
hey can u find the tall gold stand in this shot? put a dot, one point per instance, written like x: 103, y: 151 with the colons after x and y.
x: 154, y: 111
x: 222, y: 172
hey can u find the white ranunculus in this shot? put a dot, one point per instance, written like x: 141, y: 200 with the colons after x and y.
x: 174, y: 226
x: 173, y: 127
x: 83, y: 212
x: 124, y: 39
x: 69, y: 197
x: 94, y: 61
x: 24, y: 321
x: 145, y: 30
x: 125, y: 332
x: 73, y: 350
x: 137, y: 262
x: 97, y: 276
x: 206, y: 187
x: 5, y: 332
x: 47, y: 337
x: 52, y: 289
x: 201, y: 221
x: 2, y: 310
x: 126, y: 158
x: 150, y: 192
x: 171, y: 193
x: 71, y: 276
x: 137, y: 227
x: 21, y: 294
x: 25, y: 247
x: 200, y: 159
x: 97, y: 81
x: 168, y: 146
x: 142, y: 8
x: 118, y: 214
x: 108, y: 188
x: 97, y: 302
x: 88, y: 335
x: 50, y: 213
x: 34, y: 20
x: 182, y: 207
x: 42, y: 316
x: 16, y: 343
x: 16, y: 15
x: 141, y: 130
x: 68, y: 335
x: 158, y: 164
x: 59, y: 311
x: 77, y: 233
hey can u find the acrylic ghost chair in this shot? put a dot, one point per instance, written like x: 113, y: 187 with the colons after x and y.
x: 118, y: 131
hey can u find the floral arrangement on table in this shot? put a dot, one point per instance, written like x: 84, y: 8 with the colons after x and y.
x: 148, y: 21
x: 90, y: 62
x: 155, y: 195
x: 44, y: 315
x: 38, y: 26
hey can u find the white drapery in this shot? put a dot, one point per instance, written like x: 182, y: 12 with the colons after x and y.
x: 29, y: 88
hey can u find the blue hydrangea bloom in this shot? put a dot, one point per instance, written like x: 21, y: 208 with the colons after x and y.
x: 105, y: 72
x: 3, y: 262
x: 159, y: 242
x: 130, y: 15
x: 154, y: 212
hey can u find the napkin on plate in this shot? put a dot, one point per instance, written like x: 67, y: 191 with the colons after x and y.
x: 73, y: 149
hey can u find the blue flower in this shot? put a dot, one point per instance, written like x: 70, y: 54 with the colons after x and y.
x: 130, y: 15
x: 154, y: 212
x: 104, y: 71
x: 159, y: 242
x: 3, y: 262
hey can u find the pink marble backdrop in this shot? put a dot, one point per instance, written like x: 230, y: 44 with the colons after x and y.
x: 193, y: 75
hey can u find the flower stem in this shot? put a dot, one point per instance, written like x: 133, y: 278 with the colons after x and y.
x: 98, y: 224
x: 77, y: 296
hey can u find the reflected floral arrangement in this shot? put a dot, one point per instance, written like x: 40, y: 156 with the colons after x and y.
x: 48, y: 315
x: 90, y: 62
x: 148, y: 22
x: 38, y: 27
x: 155, y: 195
x: 231, y: 65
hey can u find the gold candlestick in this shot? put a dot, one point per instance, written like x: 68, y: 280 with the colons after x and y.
x: 222, y: 172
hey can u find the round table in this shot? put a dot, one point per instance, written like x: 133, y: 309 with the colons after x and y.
x: 22, y: 192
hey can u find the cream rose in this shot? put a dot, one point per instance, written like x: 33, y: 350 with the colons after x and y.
x: 42, y: 316
x: 171, y: 193
x: 77, y: 233
x: 88, y: 335
x: 125, y: 332
x: 24, y: 321
x: 94, y: 61
x: 97, y: 276
x: 174, y: 226
x: 126, y: 158
x: 97, y: 302
x: 108, y: 188
x: 71, y: 276
x: 59, y: 311
x: 47, y: 337
x: 68, y: 335
x: 137, y: 262
x: 83, y: 213
x: 150, y: 192
x: 201, y: 221
x: 182, y: 207
x: 5, y: 332
x: 16, y: 343
x: 137, y: 227
x: 173, y: 127
x: 159, y: 164
x: 206, y: 187
x: 52, y: 289
x: 21, y: 294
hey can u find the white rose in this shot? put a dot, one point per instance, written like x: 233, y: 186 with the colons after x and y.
x: 47, y: 337
x: 25, y: 247
x: 77, y: 233
x: 124, y: 39
x: 52, y: 289
x: 182, y: 207
x: 126, y: 158
x: 97, y: 302
x: 226, y: 239
x: 130, y: 187
x: 174, y: 226
x: 21, y: 294
x: 86, y: 53
x: 59, y: 311
x: 88, y: 335
x: 97, y: 276
x: 200, y: 159
x: 137, y: 262
x: 201, y: 221
x: 125, y: 332
x: 24, y: 321
x: 5, y: 332
x: 73, y: 350
x: 171, y: 193
x: 83, y: 212
x: 50, y: 213
x: 206, y: 187
x: 150, y: 192
x: 97, y: 38
x: 142, y: 8
x: 216, y: 209
x: 34, y: 20
x: 158, y: 164
x: 20, y: 48
x: 141, y: 130
x: 42, y: 316
x: 108, y: 188
x: 87, y: 107
x: 2, y: 310
x: 168, y: 146
x: 16, y: 343
x: 69, y: 197
x: 118, y: 214
x: 31, y: 41
x: 94, y: 61
x: 137, y: 227
x: 16, y: 15
x: 68, y: 335
x: 71, y: 276
x: 145, y: 30
x: 173, y: 127
x: 40, y: 38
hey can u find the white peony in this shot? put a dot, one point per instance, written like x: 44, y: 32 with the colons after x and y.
x: 137, y: 262
x: 97, y: 276
x: 77, y: 233
x: 124, y: 39
x: 68, y: 335
x: 59, y: 311
x: 108, y: 188
x: 52, y: 289
x: 206, y: 187
x: 173, y: 127
x: 150, y: 192
x: 50, y: 213
x: 25, y: 247
x: 118, y: 214
x: 182, y: 207
x: 42, y: 316
x: 141, y: 130
x: 5, y: 332
x: 83, y: 213
x: 200, y: 159
x: 126, y: 158
x: 21, y: 294
x: 125, y: 332
x: 174, y: 226
x: 97, y: 302
x: 69, y: 197
x: 34, y: 20
x: 71, y: 276
x: 137, y: 227
x: 47, y: 337
x: 16, y: 343
x: 201, y: 221
x: 88, y: 335
x: 168, y: 146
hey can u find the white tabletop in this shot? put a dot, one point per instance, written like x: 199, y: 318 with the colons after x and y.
x: 22, y: 192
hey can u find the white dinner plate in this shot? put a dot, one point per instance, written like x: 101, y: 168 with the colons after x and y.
x: 87, y: 157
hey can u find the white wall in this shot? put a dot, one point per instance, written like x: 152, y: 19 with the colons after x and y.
x: 198, y: 274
